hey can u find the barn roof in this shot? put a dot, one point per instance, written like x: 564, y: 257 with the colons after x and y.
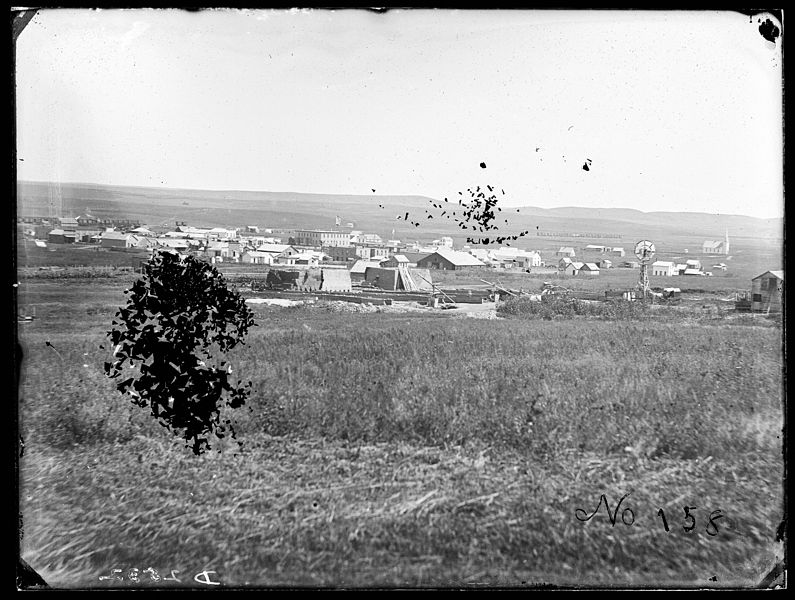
x: 776, y: 274
x: 115, y: 235
x: 459, y: 259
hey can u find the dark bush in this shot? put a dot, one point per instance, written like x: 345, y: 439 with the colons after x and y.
x: 176, y: 315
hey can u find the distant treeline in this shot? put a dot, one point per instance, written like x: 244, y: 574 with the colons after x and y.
x: 612, y: 236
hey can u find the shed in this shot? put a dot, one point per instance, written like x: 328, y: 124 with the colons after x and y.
x: 358, y: 269
x: 767, y: 292
x: 591, y: 269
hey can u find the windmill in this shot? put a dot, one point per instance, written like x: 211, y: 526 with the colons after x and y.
x: 644, y: 250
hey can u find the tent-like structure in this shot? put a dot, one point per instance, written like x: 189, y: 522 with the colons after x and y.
x: 335, y: 280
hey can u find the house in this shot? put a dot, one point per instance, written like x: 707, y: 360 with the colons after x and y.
x: 617, y: 252
x: 335, y: 280
x: 309, y: 259
x: 59, y: 236
x: 395, y: 261
x: 680, y: 269
x: 692, y: 272
x: 371, y: 251
x: 563, y: 263
x: 115, y: 239
x: 767, y: 292
x: 449, y: 260
x: 566, y: 251
x: 255, y: 257
x: 590, y: 269
x: 573, y: 268
x: 663, y: 268
x: 277, y: 250
x: 514, y: 257
x: 605, y: 263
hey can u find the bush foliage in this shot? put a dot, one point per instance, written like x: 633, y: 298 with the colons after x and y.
x: 176, y: 315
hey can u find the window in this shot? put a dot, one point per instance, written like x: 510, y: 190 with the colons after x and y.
x: 757, y: 297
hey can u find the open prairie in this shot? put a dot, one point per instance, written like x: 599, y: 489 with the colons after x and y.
x: 392, y: 447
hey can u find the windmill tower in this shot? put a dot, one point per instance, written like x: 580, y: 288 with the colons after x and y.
x: 55, y: 201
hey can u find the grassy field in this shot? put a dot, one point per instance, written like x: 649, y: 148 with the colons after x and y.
x: 413, y: 449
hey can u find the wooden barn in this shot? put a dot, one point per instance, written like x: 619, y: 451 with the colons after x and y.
x: 767, y: 292
x: 449, y: 260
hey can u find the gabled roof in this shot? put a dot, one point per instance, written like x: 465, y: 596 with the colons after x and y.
x: 115, y: 235
x: 577, y: 265
x: 692, y: 272
x: 360, y: 266
x: 568, y: 249
x: 273, y: 248
x: 459, y: 259
x: 776, y: 274
x: 662, y: 263
x: 712, y: 243
x: 590, y: 267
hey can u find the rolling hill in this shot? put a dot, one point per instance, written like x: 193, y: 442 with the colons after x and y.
x: 379, y: 214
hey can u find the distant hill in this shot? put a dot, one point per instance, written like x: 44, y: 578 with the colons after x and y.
x: 378, y: 214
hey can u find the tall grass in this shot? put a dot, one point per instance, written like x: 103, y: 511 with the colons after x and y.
x: 403, y: 449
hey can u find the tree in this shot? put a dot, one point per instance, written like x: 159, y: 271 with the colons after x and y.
x: 177, y: 316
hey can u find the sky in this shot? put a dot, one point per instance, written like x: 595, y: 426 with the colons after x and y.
x: 670, y: 110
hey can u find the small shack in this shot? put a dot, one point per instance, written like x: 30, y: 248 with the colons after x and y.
x: 767, y: 292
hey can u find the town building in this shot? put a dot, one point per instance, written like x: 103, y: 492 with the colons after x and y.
x: 317, y: 238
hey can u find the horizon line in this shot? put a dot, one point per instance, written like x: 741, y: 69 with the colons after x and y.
x: 190, y: 189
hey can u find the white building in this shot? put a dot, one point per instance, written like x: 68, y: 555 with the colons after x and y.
x: 663, y: 268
